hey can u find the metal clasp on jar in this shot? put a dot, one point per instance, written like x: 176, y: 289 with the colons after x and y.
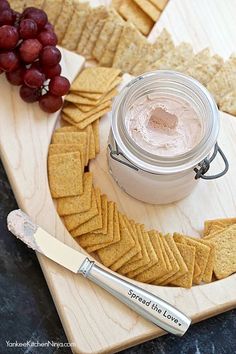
x: 205, y: 165
x: 200, y: 170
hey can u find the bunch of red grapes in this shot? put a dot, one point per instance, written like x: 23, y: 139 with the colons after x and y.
x: 29, y: 57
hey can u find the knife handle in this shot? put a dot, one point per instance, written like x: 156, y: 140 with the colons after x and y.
x: 143, y: 302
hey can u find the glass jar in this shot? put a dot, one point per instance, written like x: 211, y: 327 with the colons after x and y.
x: 162, y: 179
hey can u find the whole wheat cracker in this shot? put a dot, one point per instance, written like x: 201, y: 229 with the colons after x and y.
x: 64, y: 19
x: 53, y: 9
x: 149, y: 9
x: 116, y: 233
x: 92, y: 224
x: 225, y: 79
x: 112, y: 253
x: 80, y: 203
x: 73, y: 221
x: 132, y: 12
x: 75, y: 29
x: 65, y: 174
x: 188, y: 254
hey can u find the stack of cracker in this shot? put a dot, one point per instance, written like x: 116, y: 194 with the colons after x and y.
x: 222, y: 233
x: 69, y: 154
x: 142, y: 13
x: 90, y: 96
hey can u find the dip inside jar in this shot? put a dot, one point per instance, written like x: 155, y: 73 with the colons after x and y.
x: 164, y: 126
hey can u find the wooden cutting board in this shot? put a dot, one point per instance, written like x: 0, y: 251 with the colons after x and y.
x: 93, y: 319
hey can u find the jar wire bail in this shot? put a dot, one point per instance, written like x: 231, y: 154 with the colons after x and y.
x: 205, y: 165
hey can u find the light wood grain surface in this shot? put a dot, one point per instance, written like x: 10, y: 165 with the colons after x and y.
x: 93, y: 319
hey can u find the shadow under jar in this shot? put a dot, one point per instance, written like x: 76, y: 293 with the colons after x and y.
x: 156, y: 171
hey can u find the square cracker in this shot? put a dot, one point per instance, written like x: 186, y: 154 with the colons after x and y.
x: 134, y: 251
x: 92, y: 224
x: 88, y: 49
x: 174, y: 58
x: 79, y: 138
x: 17, y: 5
x: 149, y: 9
x: 225, y: 252
x: 132, y: 12
x: 106, y: 33
x: 95, y: 79
x: 88, y: 130
x: 94, y: 34
x: 96, y: 132
x: 228, y: 103
x: 208, y: 272
x: 134, y: 233
x: 153, y: 52
x: 74, y: 113
x: 205, y: 68
x: 108, y: 97
x: 112, y: 253
x: 35, y: 3
x: 109, y: 53
x: 216, y: 225
x: 130, y: 42
x: 202, y: 56
x: 65, y: 175
x: 188, y: 254
x: 116, y: 4
x: 165, y: 253
x: 133, y: 265
x: 75, y: 29
x: 94, y: 16
x: 57, y: 149
x: 99, y: 97
x: 64, y: 19
x: 91, y: 239
x: 53, y: 9
x: 103, y: 229
x: 73, y: 221
x: 160, y: 4
x: 157, y: 270
x: 94, y: 117
x: 151, y: 254
x: 173, y: 261
x: 182, y: 266
x: 225, y: 79
x: 115, y: 227
x: 201, y: 257
x: 80, y: 203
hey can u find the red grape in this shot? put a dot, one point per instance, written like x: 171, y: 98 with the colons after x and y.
x: 30, y: 50
x: 49, y: 27
x: 50, y: 103
x: 59, y: 86
x: 51, y: 71
x: 4, y: 5
x: 16, y: 15
x: 8, y: 37
x: 16, y: 77
x: 29, y: 94
x: 28, y: 29
x: 50, y: 56
x: 47, y: 38
x: 8, y: 61
x: 39, y: 16
x: 36, y: 65
x: 6, y: 17
x: 34, y: 78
